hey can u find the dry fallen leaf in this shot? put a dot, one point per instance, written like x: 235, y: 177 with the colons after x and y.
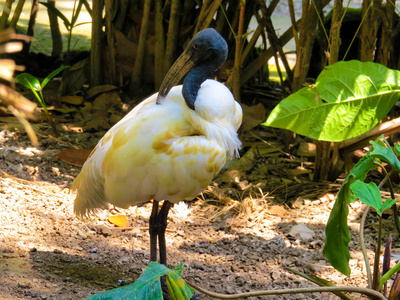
x: 253, y: 116
x: 119, y: 220
x: 76, y: 157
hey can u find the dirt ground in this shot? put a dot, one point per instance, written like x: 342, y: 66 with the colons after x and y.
x: 233, y: 238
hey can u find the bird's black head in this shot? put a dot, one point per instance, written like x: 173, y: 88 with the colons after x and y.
x: 205, y: 53
x: 208, y: 47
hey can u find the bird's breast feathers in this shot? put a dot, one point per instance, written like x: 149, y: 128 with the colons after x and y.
x: 162, y: 152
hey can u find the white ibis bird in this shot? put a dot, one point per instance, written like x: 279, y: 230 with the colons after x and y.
x: 170, y: 146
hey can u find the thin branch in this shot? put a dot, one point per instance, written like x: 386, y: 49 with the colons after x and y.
x: 364, y: 291
x: 139, y: 61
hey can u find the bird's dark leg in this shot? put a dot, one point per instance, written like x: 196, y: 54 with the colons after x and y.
x: 153, y: 230
x: 162, y: 218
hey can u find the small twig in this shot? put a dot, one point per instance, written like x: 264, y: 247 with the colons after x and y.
x: 363, y: 250
x: 364, y: 291
x: 58, y: 140
x: 269, y: 144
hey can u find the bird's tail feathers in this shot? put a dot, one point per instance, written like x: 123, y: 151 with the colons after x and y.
x: 90, y: 197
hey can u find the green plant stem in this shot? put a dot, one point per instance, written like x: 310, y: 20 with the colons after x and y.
x: 42, y: 102
x: 377, y: 274
x: 376, y: 279
x: 389, y: 274
x: 394, y: 208
x: 363, y: 250
x: 362, y: 243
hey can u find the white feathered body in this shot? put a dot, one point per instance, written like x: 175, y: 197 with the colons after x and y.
x: 163, y: 151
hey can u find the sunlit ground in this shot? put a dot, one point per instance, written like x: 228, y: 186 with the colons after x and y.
x: 43, y: 43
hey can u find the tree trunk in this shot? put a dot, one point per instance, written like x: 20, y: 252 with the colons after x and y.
x: 136, y: 78
x: 6, y: 14
x: 55, y: 31
x: 369, y: 28
x: 307, y: 31
x: 96, y: 53
x: 31, y: 24
x: 17, y: 13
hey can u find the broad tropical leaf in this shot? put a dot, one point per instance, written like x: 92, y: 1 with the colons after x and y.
x: 349, y: 98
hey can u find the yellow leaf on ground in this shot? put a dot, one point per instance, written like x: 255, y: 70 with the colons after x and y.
x: 120, y: 220
x: 75, y: 100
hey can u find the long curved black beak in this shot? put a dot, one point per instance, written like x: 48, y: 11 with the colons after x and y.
x: 180, y: 68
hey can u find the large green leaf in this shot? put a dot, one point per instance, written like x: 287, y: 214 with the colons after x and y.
x: 349, y: 98
x: 148, y: 286
x: 336, y: 248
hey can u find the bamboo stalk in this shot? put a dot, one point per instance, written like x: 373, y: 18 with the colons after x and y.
x: 172, y: 36
x: 96, y: 53
x: 261, y: 60
x: 369, y: 28
x: 110, y: 31
x: 55, y: 31
x: 220, y: 22
x: 295, y: 24
x: 385, y: 47
x: 160, y: 46
x: 335, y: 31
x: 210, y: 15
x: 202, y: 15
x: 238, y: 52
x: 31, y: 24
x: 136, y: 77
x: 307, y: 33
x: 87, y: 6
x: 6, y: 14
x: 17, y: 13
x: 258, y: 31
x: 273, y: 39
x: 336, y: 163
x: 121, y: 15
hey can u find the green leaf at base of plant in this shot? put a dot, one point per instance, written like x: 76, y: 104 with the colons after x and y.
x: 336, y: 248
x: 370, y: 194
x: 148, y: 286
x: 52, y: 75
x: 177, y: 288
x: 382, y: 150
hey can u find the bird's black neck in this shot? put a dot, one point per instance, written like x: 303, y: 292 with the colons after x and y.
x: 196, y: 77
